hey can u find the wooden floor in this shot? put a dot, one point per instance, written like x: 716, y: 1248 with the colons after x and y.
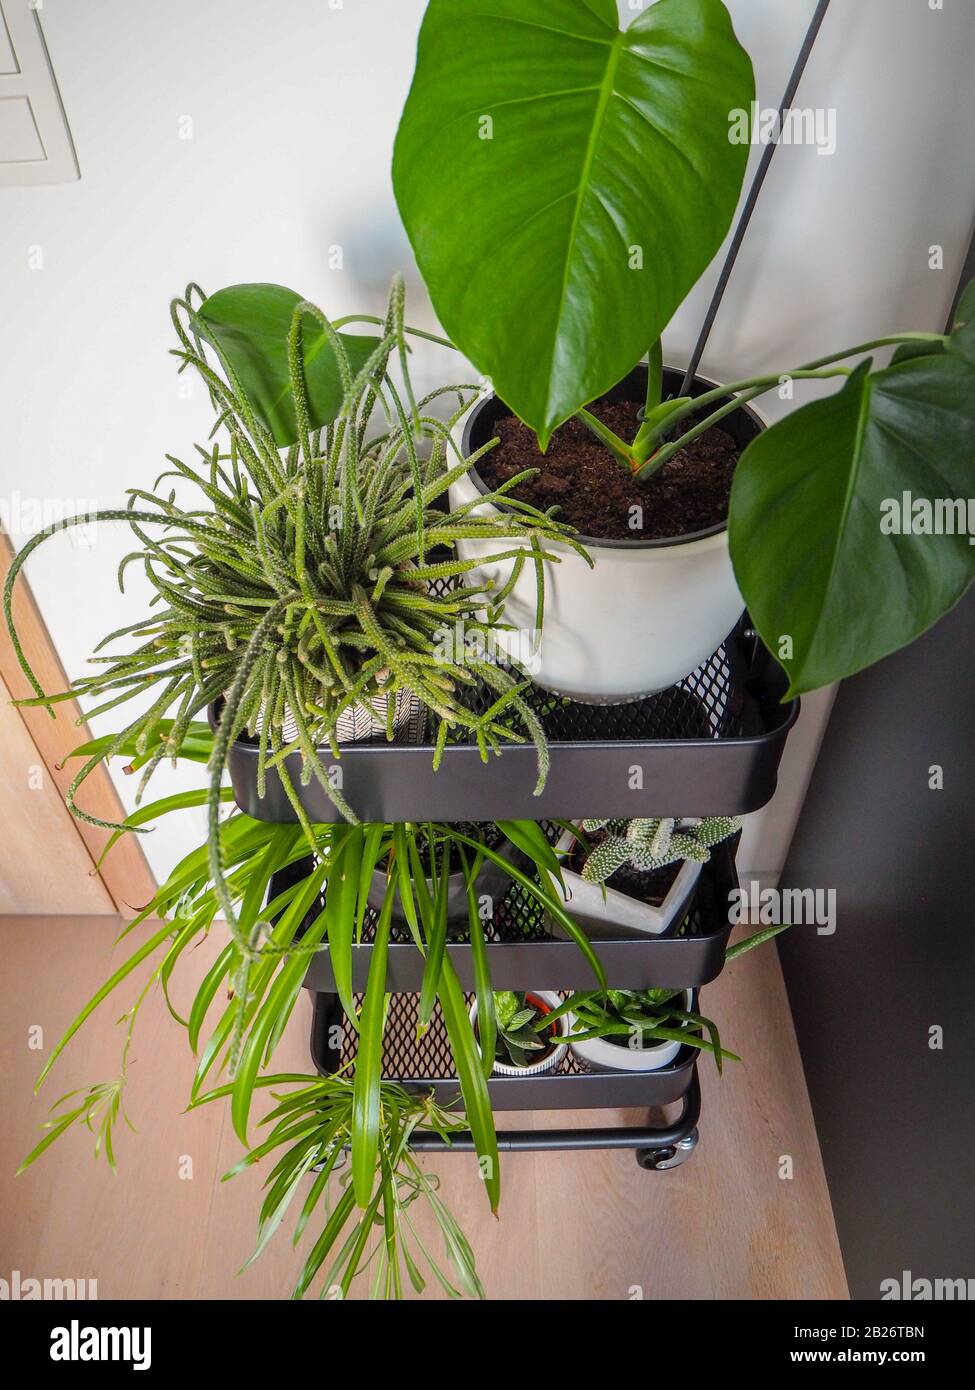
x: 573, y: 1226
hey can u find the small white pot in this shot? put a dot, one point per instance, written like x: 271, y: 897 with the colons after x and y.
x: 605, y: 914
x: 644, y: 617
x: 599, y: 1054
x: 554, y: 1060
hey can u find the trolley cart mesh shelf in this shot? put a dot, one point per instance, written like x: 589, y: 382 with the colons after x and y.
x: 710, y: 745
x: 426, y: 1064
x: 523, y: 955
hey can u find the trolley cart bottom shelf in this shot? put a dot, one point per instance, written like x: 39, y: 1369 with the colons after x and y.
x: 657, y: 1147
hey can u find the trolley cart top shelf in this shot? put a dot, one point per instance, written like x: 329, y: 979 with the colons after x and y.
x: 710, y: 745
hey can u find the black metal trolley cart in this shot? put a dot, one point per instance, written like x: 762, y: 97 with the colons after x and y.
x: 711, y: 745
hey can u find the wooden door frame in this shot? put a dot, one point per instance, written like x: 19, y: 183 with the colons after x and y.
x: 125, y: 872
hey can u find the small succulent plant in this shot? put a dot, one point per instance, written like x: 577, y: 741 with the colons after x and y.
x: 649, y: 844
x: 517, y: 1018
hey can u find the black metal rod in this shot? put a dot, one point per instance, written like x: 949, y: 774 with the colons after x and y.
x: 548, y: 1140
x: 752, y: 200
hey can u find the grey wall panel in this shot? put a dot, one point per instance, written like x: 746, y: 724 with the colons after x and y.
x: 896, y: 1119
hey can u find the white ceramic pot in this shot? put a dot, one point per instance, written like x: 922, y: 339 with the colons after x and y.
x: 599, y: 1054
x: 646, y: 615
x: 605, y: 914
x: 554, y: 1059
x: 367, y: 720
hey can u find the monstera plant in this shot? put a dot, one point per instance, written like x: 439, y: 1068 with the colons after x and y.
x: 564, y: 183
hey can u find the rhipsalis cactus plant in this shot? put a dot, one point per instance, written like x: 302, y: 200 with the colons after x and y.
x: 312, y: 580
x: 653, y: 843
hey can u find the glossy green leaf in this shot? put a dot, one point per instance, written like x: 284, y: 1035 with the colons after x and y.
x: 829, y: 587
x: 487, y: 1023
x: 473, y: 1082
x: 961, y: 340
x: 564, y: 184
x: 145, y: 950
x: 368, y: 1064
x: 341, y: 896
x: 291, y: 972
x: 248, y: 325
x: 436, y: 945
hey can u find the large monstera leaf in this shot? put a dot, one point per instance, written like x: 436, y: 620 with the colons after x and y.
x: 248, y: 325
x: 829, y: 588
x: 564, y: 184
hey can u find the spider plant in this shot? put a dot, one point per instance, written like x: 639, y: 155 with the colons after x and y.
x: 311, y: 1128
x: 282, y: 920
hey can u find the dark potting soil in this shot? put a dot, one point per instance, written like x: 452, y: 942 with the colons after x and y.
x: 650, y: 886
x: 594, y: 493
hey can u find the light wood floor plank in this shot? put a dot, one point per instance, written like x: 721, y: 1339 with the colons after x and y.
x: 573, y: 1225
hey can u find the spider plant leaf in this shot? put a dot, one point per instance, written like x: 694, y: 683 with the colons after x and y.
x: 543, y: 892
x: 436, y: 944
x: 580, y: 176
x: 55, y: 1132
x: 368, y: 1065
x: 154, y: 809
x: 315, y: 1193
x: 487, y: 1023
x: 341, y: 908
x: 404, y: 882
x: 248, y: 326
x: 269, y: 1226
x: 190, y: 931
x: 331, y: 1231
x: 115, y: 979
x: 528, y: 836
x: 473, y: 1082
x: 371, y: 854
x: 424, y: 899
x: 279, y: 1001
x: 205, y: 994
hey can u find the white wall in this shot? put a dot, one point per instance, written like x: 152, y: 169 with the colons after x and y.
x: 294, y: 106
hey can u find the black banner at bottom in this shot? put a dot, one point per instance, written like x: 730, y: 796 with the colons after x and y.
x: 172, y: 1337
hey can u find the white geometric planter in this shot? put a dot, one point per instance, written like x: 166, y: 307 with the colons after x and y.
x: 605, y: 914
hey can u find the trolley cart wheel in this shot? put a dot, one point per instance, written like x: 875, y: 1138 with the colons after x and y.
x: 654, y: 1160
